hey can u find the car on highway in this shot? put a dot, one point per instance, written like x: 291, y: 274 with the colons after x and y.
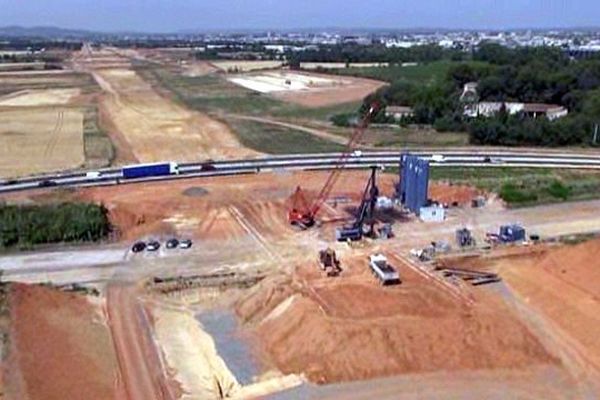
x: 138, y: 247
x: 47, y: 183
x: 208, y: 165
x: 172, y: 243
x: 185, y: 244
x: 152, y: 245
x: 438, y: 158
x: 92, y: 174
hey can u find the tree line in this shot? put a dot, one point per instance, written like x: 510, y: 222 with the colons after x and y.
x: 25, y: 226
x: 528, y: 75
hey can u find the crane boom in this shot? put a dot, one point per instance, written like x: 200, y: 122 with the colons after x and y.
x: 305, y: 216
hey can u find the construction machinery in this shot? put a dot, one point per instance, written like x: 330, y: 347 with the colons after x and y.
x: 464, y: 238
x: 386, y: 274
x: 329, y: 262
x: 355, y: 231
x: 475, y: 278
x: 302, y: 214
x: 507, y: 234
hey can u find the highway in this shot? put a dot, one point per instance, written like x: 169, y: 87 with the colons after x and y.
x: 113, y: 176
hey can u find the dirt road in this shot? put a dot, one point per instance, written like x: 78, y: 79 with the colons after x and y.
x: 138, y: 361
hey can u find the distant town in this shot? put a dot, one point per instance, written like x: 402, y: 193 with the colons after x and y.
x: 576, y: 41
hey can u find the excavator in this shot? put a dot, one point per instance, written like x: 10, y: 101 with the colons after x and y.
x: 303, y: 214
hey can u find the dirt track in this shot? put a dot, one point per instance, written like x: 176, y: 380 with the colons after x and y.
x: 138, y: 362
x: 153, y: 127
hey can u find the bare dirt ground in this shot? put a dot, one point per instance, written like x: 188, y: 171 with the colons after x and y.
x: 153, y: 127
x: 307, y: 88
x: 138, y: 361
x: 337, y: 330
x: 60, y: 347
x: 560, y: 283
x: 353, y: 89
x: 353, y: 328
x: 40, y: 140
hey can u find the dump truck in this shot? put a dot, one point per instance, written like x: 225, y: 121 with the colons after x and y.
x: 383, y: 271
x: 329, y: 262
x: 148, y: 170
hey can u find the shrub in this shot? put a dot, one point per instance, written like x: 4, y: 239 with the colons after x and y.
x: 511, y: 194
x: 559, y: 191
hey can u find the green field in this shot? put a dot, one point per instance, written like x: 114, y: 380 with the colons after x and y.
x: 418, y: 74
x: 273, y: 139
x: 520, y: 187
x: 214, y: 94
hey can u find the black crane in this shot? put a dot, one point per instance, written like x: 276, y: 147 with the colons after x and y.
x: 355, y: 231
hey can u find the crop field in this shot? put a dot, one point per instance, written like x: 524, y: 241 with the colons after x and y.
x: 338, y: 65
x: 420, y: 74
x: 245, y: 66
x: 40, y: 140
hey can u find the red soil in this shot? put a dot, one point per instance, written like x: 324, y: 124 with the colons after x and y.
x: 562, y: 283
x: 60, y: 347
x: 448, y: 194
x: 351, y: 328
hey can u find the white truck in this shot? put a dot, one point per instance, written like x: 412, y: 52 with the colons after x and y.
x: 386, y: 274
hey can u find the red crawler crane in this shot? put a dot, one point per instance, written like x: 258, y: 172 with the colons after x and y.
x: 302, y: 214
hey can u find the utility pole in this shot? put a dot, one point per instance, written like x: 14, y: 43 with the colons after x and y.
x: 595, y: 139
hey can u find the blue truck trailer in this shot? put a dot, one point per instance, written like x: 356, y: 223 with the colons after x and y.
x: 148, y: 170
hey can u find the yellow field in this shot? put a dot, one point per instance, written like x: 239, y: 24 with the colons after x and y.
x: 245, y: 66
x: 36, y: 140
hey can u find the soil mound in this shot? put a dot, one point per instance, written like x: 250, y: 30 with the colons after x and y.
x: 334, y: 331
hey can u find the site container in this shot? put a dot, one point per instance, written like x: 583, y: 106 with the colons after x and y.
x: 512, y: 233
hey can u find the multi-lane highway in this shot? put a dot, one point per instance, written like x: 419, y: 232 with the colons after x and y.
x: 113, y: 176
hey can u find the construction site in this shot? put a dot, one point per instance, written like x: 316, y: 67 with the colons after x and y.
x: 341, y: 283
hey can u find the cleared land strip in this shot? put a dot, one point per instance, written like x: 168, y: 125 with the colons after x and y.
x: 157, y: 128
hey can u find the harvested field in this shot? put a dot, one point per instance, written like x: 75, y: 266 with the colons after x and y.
x: 40, y: 140
x: 352, y: 328
x: 22, y: 66
x: 308, y: 89
x: 27, y: 98
x: 245, y: 66
x: 60, y: 347
x: 155, y: 128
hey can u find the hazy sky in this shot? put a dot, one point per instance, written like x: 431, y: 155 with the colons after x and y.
x: 174, y: 15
